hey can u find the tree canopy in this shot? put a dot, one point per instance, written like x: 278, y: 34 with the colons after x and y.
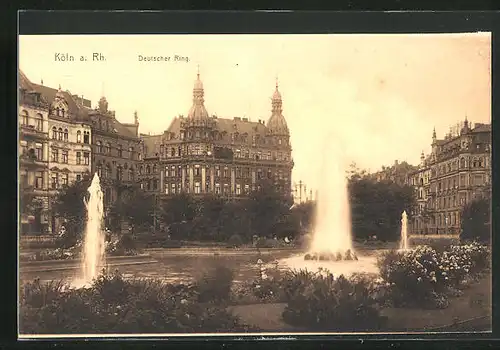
x: 476, y: 220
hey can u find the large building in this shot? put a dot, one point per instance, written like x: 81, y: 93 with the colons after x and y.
x: 202, y: 154
x: 62, y: 140
x: 397, y: 173
x: 457, y: 171
x: 116, y: 150
x: 33, y: 158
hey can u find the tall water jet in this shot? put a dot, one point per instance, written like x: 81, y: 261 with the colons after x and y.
x: 332, y: 233
x: 94, y: 239
x: 403, y: 243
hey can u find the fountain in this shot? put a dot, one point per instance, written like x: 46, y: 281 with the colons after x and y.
x: 94, y: 239
x: 331, y: 246
x: 403, y: 244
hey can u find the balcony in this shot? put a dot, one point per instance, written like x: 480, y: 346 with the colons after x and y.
x: 31, y: 130
x: 30, y: 160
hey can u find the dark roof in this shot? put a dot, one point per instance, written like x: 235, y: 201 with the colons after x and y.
x: 49, y: 94
x: 237, y: 125
x: 151, y: 144
x: 478, y: 127
x: 24, y: 82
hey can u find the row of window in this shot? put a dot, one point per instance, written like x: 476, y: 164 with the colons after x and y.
x: 475, y: 162
x: 106, y: 172
x: 36, y: 122
x: 235, y: 137
x: 34, y: 151
x: 107, y: 150
x: 201, y: 150
x: 55, y: 158
x: 58, y: 180
x: 176, y: 171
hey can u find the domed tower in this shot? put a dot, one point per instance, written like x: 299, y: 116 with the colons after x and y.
x: 198, y: 124
x: 279, y: 137
x: 276, y: 125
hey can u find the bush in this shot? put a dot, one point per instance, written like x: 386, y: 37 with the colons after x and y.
x: 215, y: 283
x: 115, y: 305
x: 267, y: 243
x: 321, y: 302
x: 235, y: 241
x: 423, y: 277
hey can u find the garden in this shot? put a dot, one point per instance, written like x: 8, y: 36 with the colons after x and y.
x: 419, y: 280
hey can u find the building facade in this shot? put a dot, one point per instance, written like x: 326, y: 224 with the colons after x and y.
x: 457, y: 171
x: 397, y: 173
x: 115, y: 151
x: 201, y: 154
x: 62, y: 140
x: 33, y: 159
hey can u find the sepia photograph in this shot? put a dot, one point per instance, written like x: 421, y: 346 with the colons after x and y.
x: 254, y: 184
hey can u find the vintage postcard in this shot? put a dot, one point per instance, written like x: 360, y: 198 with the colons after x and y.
x: 254, y: 184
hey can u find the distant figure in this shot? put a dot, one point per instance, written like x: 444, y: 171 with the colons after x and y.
x: 287, y: 240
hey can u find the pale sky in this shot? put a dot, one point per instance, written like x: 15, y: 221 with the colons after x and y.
x: 378, y: 96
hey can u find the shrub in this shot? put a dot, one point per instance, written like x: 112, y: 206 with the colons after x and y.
x: 415, y: 276
x: 235, y: 241
x: 215, y: 283
x: 115, y: 305
x: 267, y: 243
x: 321, y: 302
x: 423, y: 277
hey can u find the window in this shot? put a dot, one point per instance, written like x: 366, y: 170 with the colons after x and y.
x: 172, y: 171
x: 66, y: 135
x: 131, y: 174
x: 54, y: 183
x: 217, y: 188
x: 154, y: 169
x: 99, y: 170
x: 65, y: 157
x: 166, y: 189
x: 197, y: 170
x: 197, y: 187
x: 86, y: 158
x: 99, y: 147
x: 60, y: 134
x: 247, y: 189
x: 38, y: 152
x: 167, y: 172
x: 64, y: 179
x: 226, y: 189
x: 78, y: 177
x: 54, y: 133
x: 217, y: 171
x: 173, y: 188
x: 148, y: 185
x: 78, y: 136
x: 25, y: 118
x: 55, y: 155
x: 148, y: 169
x: 120, y: 151
x: 131, y: 152
x: 107, y: 171
x: 39, y: 180
x: 172, y: 152
x: 78, y: 158
x: 86, y: 137
x: 39, y: 122
x: 238, y: 172
x: 119, y: 173
x: 238, y: 189
x: 108, y: 148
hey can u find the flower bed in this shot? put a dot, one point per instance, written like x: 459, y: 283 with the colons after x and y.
x: 115, y: 305
x: 424, y: 277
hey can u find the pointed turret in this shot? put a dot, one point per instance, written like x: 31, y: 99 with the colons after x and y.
x: 198, y: 110
x: 434, y: 139
x: 277, y: 124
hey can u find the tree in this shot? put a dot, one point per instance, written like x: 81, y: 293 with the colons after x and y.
x: 376, y: 207
x: 476, y: 220
x: 135, y: 206
x: 268, y: 208
x: 69, y: 205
